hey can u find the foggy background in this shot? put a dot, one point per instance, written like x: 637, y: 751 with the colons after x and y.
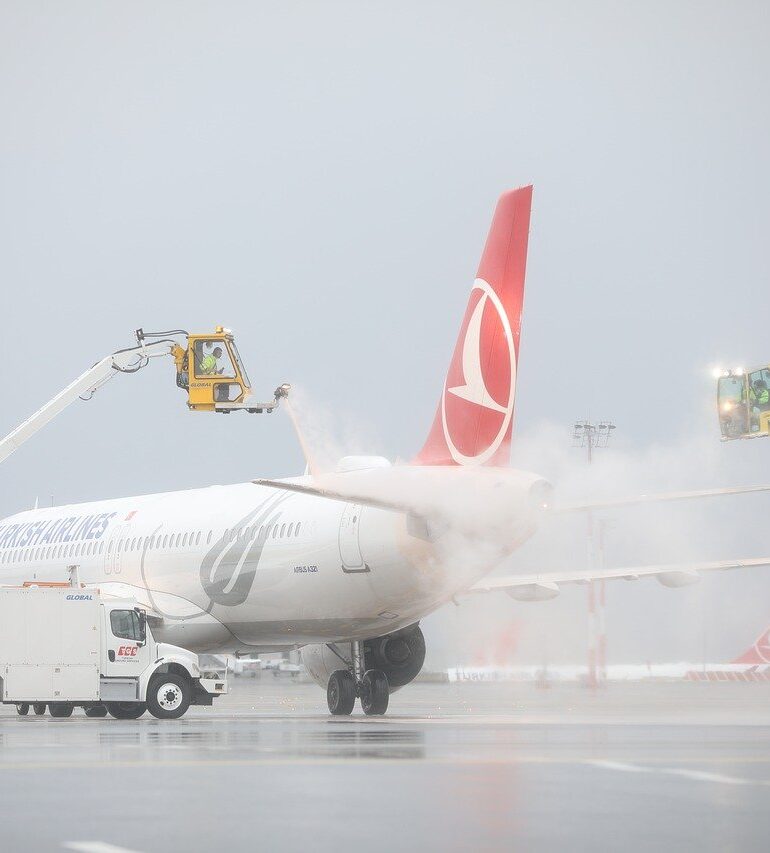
x: 320, y: 178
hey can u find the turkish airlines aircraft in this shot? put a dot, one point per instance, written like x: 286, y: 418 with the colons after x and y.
x: 343, y: 564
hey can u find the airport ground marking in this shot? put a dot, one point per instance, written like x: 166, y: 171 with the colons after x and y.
x: 685, y: 773
x: 95, y: 847
x: 704, y: 776
x: 369, y: 761
x: 619, y: 765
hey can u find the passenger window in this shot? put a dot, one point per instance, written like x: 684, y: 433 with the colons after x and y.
x: 291, y: 528
x: 165, y: 540
x: 125, y: 624
x: 296, y: 530
x: 184, y: 540
x: 198, y: 538
x: 283, y: 530
x: 208, y: 538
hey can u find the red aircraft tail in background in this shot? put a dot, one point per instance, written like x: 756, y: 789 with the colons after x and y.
x: 474, y: 419
x: 759, y: 652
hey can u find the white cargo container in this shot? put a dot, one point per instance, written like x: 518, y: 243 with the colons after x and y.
x: 63, y: 646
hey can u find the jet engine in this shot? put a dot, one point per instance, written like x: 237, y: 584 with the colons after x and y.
x: 399, y: 655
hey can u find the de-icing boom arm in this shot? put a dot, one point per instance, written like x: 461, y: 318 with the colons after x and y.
x: 123, y: 361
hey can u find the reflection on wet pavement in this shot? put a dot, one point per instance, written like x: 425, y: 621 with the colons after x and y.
x: 497, y: 767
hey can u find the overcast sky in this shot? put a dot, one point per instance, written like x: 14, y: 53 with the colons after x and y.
x: 321, y: 177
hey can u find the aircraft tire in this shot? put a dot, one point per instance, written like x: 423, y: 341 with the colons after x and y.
x: 39, y: 708
x: 126, y: 710
x: 22, y: 709
x: 375, y: 693
x: 341, y: 693
x: 61, y: 709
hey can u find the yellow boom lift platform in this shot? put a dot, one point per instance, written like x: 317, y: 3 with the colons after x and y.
x: 208, y: 367
x: 743, y: 402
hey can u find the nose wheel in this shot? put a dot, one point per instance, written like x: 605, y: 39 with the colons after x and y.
x: 370, y: 686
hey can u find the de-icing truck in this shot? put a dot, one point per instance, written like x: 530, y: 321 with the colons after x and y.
x: 64, y: 646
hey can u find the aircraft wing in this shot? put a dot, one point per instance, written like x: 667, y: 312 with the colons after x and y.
x: 547, y: 584
x: 660, y: 498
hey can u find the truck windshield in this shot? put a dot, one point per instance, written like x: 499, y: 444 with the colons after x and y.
x: 125, y: 624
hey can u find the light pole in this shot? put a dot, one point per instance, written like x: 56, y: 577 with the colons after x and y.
x: 589, y: 435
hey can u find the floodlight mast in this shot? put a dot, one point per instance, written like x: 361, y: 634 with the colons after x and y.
x: 592, y: 435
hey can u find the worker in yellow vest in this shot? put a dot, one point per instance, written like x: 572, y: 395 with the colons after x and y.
x: 210, y: 363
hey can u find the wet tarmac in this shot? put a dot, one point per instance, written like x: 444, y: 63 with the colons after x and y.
x: 682, y: 766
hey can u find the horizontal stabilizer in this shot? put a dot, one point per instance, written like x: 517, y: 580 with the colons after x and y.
x: 333, y: 495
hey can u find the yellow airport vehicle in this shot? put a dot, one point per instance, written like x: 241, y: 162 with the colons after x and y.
x: 743, y: 402
x: 210, y: 369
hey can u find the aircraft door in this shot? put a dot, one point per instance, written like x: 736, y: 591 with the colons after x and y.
x: 116, y: 545
x: 350, y: 548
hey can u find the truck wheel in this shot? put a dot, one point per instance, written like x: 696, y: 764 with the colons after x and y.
x: 96, y: 711
x: 22, y: 709
x: 39, y: 708
x: 61, y: 709
x: 126, y: 710
x: 168, y: 696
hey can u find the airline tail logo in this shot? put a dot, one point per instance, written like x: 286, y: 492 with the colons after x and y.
x: 759, y: 652
x: 488, y: 322
x: 474, y: 418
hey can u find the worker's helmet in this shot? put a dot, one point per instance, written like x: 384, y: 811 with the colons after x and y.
x: 761, y: 384
x: 217, y: 351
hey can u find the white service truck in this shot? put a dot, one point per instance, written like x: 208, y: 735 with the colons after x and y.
x: 65, y: 646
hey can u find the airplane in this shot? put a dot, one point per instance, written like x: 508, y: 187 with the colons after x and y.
x: 344, y: 564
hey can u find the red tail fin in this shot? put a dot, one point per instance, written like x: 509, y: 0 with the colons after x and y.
x: 475, y: 414
x: 759, y: 652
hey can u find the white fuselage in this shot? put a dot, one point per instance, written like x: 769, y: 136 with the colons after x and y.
x: 244, y: 567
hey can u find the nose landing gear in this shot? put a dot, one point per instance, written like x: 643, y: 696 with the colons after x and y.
x: 370, y: 686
